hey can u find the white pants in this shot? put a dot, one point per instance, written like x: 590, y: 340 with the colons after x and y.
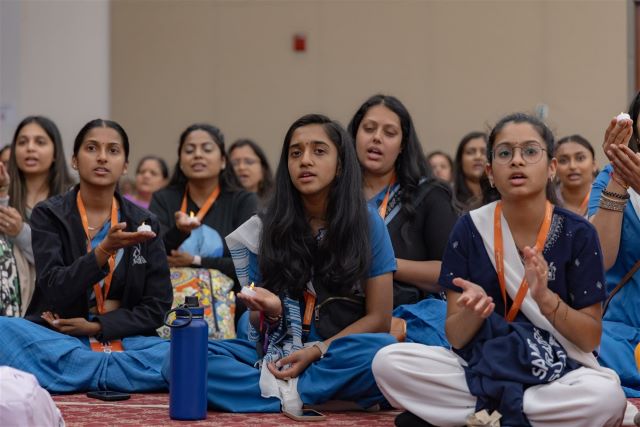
x: 430, y: 383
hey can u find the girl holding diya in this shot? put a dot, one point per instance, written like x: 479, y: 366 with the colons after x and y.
x: 101, y: 284
x: 305, y: 251
x: 202, y: 203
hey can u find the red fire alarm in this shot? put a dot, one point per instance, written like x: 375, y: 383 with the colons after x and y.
x: 299, y: 42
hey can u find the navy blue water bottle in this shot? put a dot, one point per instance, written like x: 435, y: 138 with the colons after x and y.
x: 188, y: 379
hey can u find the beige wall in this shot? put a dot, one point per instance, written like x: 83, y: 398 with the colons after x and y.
x: 457, y: 65
x: 54, y: 61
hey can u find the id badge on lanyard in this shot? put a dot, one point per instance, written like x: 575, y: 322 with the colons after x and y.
x: 101, y: 292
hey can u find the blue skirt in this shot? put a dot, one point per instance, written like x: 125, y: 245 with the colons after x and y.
x: 617, y: 347
x: 343, y: 374
x: 425, y: 321
x: 66, y: 364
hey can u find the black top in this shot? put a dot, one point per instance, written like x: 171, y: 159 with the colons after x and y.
x: 66, y: 273
x: 425, y: 236
x: 230, y: 210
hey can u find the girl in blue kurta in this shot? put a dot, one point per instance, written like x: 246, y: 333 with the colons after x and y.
x: 317, y: 237
x: 416, y: 209
x: 524, y: 286
x: 614, y: 209
x: 98, y: 280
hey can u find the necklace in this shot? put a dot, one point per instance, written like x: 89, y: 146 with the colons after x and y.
x: 97, y: 227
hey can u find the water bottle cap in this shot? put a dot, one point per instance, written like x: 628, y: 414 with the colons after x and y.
x: 191, y: 301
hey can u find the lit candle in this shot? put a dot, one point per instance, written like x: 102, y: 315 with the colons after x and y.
x: 623, y: 116
x: 144, y: 227
x: 248, y: 290
x: 193, y: 219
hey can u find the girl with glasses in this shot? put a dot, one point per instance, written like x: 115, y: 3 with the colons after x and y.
x: 524, y: 284
x: 252, y: 168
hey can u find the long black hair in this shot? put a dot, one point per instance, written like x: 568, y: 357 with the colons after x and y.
x: 491, y: 194
x: 289, y: 252
x: 265, y: 186
x: 227, y: 178
x: 410, y: 166
x: 59, y: 178
x: 102, y: 123
x: 634, y: 112
x: 462, y: 194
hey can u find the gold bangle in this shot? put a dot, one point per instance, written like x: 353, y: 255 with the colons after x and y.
x: 554, y: 310
x: 104, y: 251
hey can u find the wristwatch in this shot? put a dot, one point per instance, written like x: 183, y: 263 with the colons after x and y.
x: 322, y: 347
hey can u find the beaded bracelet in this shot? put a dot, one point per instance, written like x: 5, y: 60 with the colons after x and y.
x: 621, y: 202
x: 620, y: 196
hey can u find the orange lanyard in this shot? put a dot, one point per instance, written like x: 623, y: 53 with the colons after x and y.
x: 382, y: 210
x: 583, y: 205
x: 499, y: 255
x: 100, y: 297
x: 207, y: 204
x: 309, y: 305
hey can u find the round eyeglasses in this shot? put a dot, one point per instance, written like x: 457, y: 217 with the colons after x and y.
x: 531, y: 152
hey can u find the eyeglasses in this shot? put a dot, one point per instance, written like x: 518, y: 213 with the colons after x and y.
x: 531, y: 152
x: 247, y: 161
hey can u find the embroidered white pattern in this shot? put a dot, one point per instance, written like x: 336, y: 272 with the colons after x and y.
x: 552, y: 272
x: 137, y: 258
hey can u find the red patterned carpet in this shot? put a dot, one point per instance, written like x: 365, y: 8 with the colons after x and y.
x: 153, y: 410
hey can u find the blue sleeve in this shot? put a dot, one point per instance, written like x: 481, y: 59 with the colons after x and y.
x: 455, y: 262
x: 585, y: 271
x: 599, y: 184
x: 383, y: 259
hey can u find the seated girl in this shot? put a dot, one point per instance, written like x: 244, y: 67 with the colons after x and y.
x: 416, y: 209
x: 202, y: 204
x: 35, y: 171
x: 614, y: 210
x: 523, y: 331
x: 576, y: 170
x: 99, y: 281
x: 252, y: 168
x: 468, y: 171
x: 152, y: 174
x: 316, y: 240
